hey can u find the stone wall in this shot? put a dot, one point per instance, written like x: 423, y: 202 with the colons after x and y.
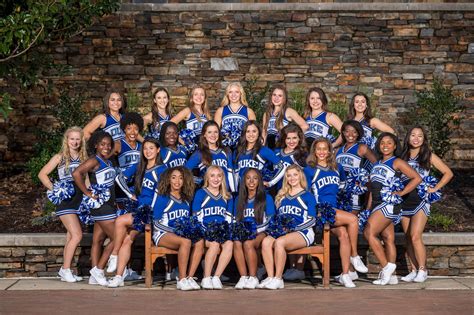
x: 389, y: 50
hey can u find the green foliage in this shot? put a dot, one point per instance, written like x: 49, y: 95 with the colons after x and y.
x: 438, y: 110
x: 134, y: 101
x: 297, y: 99
x: 338, y: 106
x: 438, y: 219
x: 256, y: 97
x: 5, y: 107
x: 48, y: 213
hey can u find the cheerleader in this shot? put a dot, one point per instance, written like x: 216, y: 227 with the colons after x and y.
x: 176, y: 190
x: 278, y: 115
x: 325, y: 177
x: 114, y: 106
x: 252, y: 205
x: 352, y: 154
x: 146, y: 175
x: 233, y: 113
x: 160, y: 112
x: 415, y: 212
x: 172, y: 154
x: 211, y: 152
x: 294, y: 200
x: 73, y: 152
x: 213, y: 203
x: 385, y: 215
x: 197, y: 112
x: 100, y: 171
x: 319, y: 120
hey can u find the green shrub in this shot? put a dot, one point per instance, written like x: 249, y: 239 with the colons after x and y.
x: 256, y: 97
x: 297, y: 99
x: 439, y: 219
x: 48, y: 213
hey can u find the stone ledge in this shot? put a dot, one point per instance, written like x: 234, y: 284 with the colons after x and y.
x: 334, y: 7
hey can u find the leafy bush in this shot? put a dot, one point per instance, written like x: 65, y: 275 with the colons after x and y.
x: 256, y: 97
x: 438, y: 219
x: 47, y: 210
x: 5, y: 107
x: 297, y: 99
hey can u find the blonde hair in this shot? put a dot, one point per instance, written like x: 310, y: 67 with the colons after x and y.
x: 285, y: 190
x: 243, y: 98
x: 312, y: 160
x: 204, y: 106
x: 223, y: 189
x: 66, y: 153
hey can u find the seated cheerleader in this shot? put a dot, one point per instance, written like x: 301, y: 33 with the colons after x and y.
x: 293, y: 200
x: 73, y: 152
x: 415, y: 211
x: 172, y: 154
x: 325, y: 177
x: 278, y: 115
x: 160, y: 112
x: 211, y: 152
x: 213, y: 204
x: 114, y: 106
x: 385, y: 215
x: 146, y: 176
x: 176, y: 190
x: 319, y: 120
x: 101, y: 172
x: 252, y: 205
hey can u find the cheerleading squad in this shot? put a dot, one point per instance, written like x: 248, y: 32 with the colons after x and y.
x: 227, y: 188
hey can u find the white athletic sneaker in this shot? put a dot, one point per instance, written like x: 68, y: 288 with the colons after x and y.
x: 264, y: 283
x: 216, y: 283
x: 358, y: 264
x: 409, y: 277
x: 183, y: 285
x: 295, y: 275
x: 421, y: 276
x: 78, y: 278
x: 386, y: 274
x: 275, y: 284
x: 99, y: 277
x: 193, y: 283
x: 131, y: 275
x: 261, y: 272
x: 206, y: 283
x: 251, y: 283
x: 112, y: 264
x: 346, y: 280
x: 393, y: 280
x: 116, y: 282
x: 353, y: 274
x: 241, y: 283
x: 66, y: 275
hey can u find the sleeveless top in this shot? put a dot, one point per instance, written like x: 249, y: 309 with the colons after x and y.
x: 381, y: 171
x: 128, y: 155
x: 194, y: 124
x: 318, y: 126
x: 272, y: 128
x: 66, y: 173
x: 238, y: 118
x: 349, y: 158
x: 156, y: 126
x: 112, y: 127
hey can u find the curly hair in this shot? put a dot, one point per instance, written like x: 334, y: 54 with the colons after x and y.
x: 97, y: 137
x: 312, y: 159
x: 131, y: 118
x: 187, y: 190
x: 285, y: 189
x: 354, y: 124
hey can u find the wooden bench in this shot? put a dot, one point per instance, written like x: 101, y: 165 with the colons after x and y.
x: 152, y: 252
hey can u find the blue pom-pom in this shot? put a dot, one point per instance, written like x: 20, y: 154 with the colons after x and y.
x: 189, y: 138
x: 428, y: 182
x: 363, y: 219
x: 280, y: 224
x: 331, y: 138
x: 217, y: 231
x: 369, y: 141
x: 231, y: 134
x: 85, y: 215
x: 190, y: 228
x: 267, y: 172
x: 153, y: 134
x: 128, y: 205
x: 326, y: 214
x: 101, y: 192
x: 357, y: 180
x: 391, y: 185
x: 244, y: 230
x: 344, y: 200
x: 62, y: 190
x: 141, y: 216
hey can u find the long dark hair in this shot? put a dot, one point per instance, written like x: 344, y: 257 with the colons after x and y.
x: 301, y: 151
x: 354, y: 124
x: 397, y: 151
x: 204, y: 146
x: 270, y: 107
x: 259, y: 203
x: 163, y: 129
x: 187, y: 191
x: 105, y: 102
x: 142, y: 165
x: 368, y: 110
x: 242, y: 147
x: 322, y: 97
x: 155, y: 116
x: 424, y: 156
x: 312, y: 160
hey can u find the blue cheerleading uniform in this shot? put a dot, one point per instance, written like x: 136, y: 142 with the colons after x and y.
x: 207, y: 207
x: 112, y: 127
x: 166, y: 211
x: 287, y: 159
x: 104, y: 175
x: 195, y: 124
x: 155, y: 127
x: 273, y: 132
x: 349, y: 159
x: 128, y: 155
x: 220, y: 158
x: 382, y: 171
x: 412, y: 203
x: 70, y: 206
x: 325, y: 183
x: 302, y: 208
x: 249, y: 212
x: 172, y: 158
x: 318, y: 126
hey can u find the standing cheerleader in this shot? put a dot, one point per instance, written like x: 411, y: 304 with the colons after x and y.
x: 211, y: 152
x: 415, y: 211
x: 317, y: 117
x: 384, y: 215
x: 176, y: 190
x: 146, y: 175
x: 233, y: 113
x: 73, y: 152
x: 213, y: 204
x: 325, y: 177
x: 252, y: 205
x: 101, y: 172
x: 293, y: 200
x: 197, y: 112
x: 114, y: 106
x: 160, y: 112
x: 172, y: 154
x: 278, y: 115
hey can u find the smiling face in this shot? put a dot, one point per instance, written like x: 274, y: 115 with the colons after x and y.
x: 251, y: 180
x: 315, y: 101
x: 171, y: 136
x: 387, y: 146
x: 115, y: 102
x: 104, y: 147
x: 161, y: 100
x: 416, y: 138
x: 131, y: 133
x: 360, y: 104
x: 198, y: 96
x: 74, y: 140
x: 150, y: 151
x: 292, y: 140
x: 350, y: 134
x: 234, y: 94
x: 293, y: 178
x: 322, y: 151
x: 215, y: 178
x: 176, y: 181
x: 211, y: 134
x: 278, y: 97
x: 251, y: 134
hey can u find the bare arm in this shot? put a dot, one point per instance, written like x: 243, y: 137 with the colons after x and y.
x: 444, y: 169
x: 117, y: 147
x: 380, y: 125
x: 218, y: 116
x: 96, y: 123
x: 47, y: 169
x: 334, y: 121
x: 367, y: 153
x: 80, y: 173
x: 182, y: 115
x: 415, y: 179
x: 293, y: 116
x: 264, y: 131
x: 251, y: 113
